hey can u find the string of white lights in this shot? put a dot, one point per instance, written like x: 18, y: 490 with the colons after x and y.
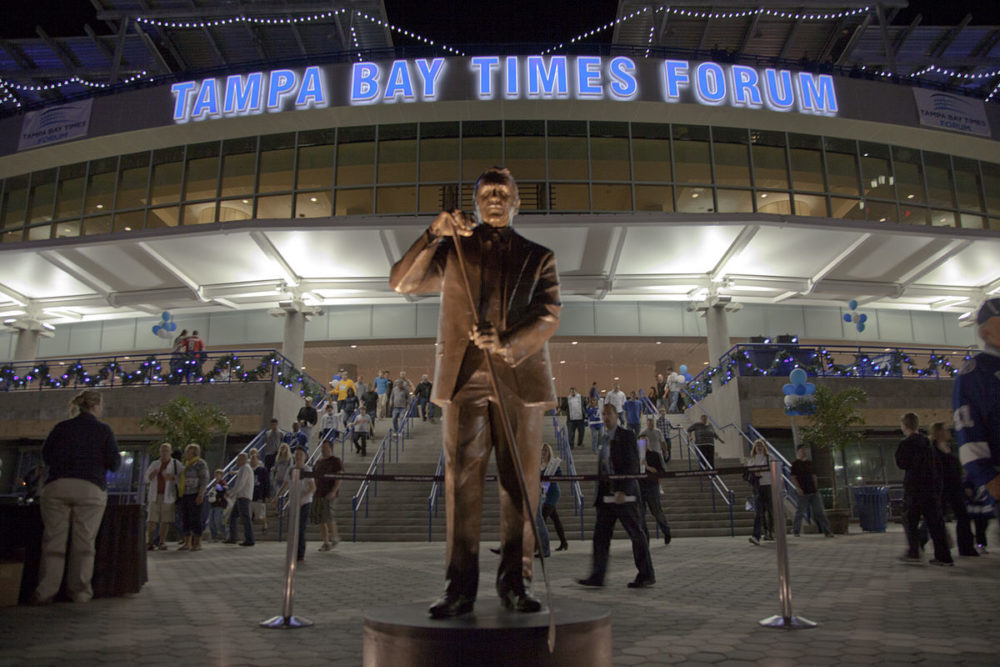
x: 404, y: 31
x: 26, y: 88
x: 215, y: 23
x: 971, y: 76
x: 357, y: 44
x: 649, y: 42
x: 611, y: 24
x: 996, y: 89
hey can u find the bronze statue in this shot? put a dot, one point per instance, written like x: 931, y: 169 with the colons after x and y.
x: 515, y: 289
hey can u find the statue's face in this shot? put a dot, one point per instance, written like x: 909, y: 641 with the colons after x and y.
x: 497, y: 202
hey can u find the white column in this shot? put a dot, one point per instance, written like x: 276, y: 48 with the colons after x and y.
x: 293, y: 342
x: 26, y: 346
x: 718, y: 333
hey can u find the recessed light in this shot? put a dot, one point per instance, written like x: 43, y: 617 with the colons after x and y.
x: 694, y: 195
x: 616, y: 378
x: 353, y: 346
x: 128, y: 229
x: 562, y: 361
x: 313, y: 199
x: 100, y: 206
x: 246, y: 201
x: 574, y: 343
x: 659, y: 342
x: 704, y: 363
x: 910, y: 196
x: 763, y: 195
x: 881, y: 219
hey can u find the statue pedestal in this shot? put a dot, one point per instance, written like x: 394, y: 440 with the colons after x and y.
x: 407, y: 636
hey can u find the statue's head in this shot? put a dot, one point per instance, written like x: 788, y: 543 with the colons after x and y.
x: 497, y: 200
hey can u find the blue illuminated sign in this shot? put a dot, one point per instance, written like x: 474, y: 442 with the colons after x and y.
x: 509, y: 77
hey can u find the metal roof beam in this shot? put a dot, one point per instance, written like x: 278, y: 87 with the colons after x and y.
x: 845, y: 55
x: 101, y: 46
x: 949, y: 36
x: 116, y: 64
x: 748, y: 34
x: 788, y: 38
x: 155, y: 52
x: 905, y: 33
x: 172, y: 269
x: 71, y: 65
x: 264, y: 243
x: 890, y: 53
x: 831, y: 40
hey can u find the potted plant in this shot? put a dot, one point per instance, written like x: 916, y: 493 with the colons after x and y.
x: 833, y: 426
x: 182, y: 421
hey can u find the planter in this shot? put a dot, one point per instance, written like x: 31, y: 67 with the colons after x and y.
x: 840, y: 519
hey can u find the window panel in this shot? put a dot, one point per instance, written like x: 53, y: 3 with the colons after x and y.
x: 609, y: 152
x: 991, y: 181
x: 313, y: 204
x: 654, y: 198
x: 69, y: 229
x: 133, y: 179
x: 279, y: 206
x: 568, y: 151
x: 810, y: 205
x: 970, y: 221
x: 198, y: 214
x: 277, y: 163
x: 355, y: 201
x: 435, y: 198
x: 775, y: 203
x: 943, y: 218
x: 881, y: 211
x: 696, y: 199
x: 15, y: 198
x: 651, y: 152
x: 439, y: 152
x: 533, y: 195
x: 851, y: 209
x: 569, y: 197
x: 968, y: 184
x: 239, y: 164
x: 42, y: 195
x: 691, y: 160
x: 316, y: 154
x: 478, y: 155
x: 97, y: 225
x: 397, y: 160
x: 396, y: 200
x: 912, y: 214
x: 235, y: 209
x: 770, y: 170
x: 355, y: 163
x: 841, y: 165
x: 69, y: 191
x: 525, y: 157
x: 39, y: 232
x: 165, y: 216
x: 939, y: 185
x: 12, y: 237
x: 909, y: 175
x: 166, y: 178
x: 101, y: 186
x: 735, y: 201
x: 732, y: 158
x: 608, y: 197
x: 806, y: 155
x: 123, y: 222
x: 876, y: 172
x: 201, y: 178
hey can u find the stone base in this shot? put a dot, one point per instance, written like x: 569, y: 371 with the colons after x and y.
x: 407, y: 636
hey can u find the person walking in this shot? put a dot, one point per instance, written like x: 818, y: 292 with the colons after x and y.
x: 78, y: 452
x: 550, y: 498
x: 192, y: 485
x: 618, y: 501
x: 161, y: 494
x: 952, y: 489
x: 763, y: 520
x: 649, y: 487
x: 325, y: 496
x: 242, y: 494
x: 704, y: 439
x: 921, y: 493
x: 810, y: 502
x: 576, y: 418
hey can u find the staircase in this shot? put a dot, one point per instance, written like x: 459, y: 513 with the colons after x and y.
x: 399, y: 510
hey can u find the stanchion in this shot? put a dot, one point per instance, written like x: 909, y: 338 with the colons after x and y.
x: 285, y: 619
x: 785, y: 619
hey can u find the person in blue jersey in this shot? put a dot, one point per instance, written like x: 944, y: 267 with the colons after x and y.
x: 976, y: 402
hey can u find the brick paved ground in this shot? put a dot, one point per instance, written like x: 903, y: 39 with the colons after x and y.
x: 203, y: 608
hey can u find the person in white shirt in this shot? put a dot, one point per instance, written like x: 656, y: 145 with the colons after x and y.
x: 576, y: 417
x: 242, y: 492
x: 329, y: 422
x: 306, y: 488
x: 162, y: 494
x: 674, y: 383
x: 655, y: 441
x: 362, y: 425
x: 616, y: 397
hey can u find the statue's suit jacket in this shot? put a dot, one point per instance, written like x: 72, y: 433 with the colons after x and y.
x: 529, y: 311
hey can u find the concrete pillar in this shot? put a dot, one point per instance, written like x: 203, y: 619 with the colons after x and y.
x: 718, y: 333
x: 26, y: 346
x: 293, y: 343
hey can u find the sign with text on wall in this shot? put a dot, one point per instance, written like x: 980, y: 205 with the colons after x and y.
x: 580, y: 78
x: 55, y: 124
x: 951, y: 112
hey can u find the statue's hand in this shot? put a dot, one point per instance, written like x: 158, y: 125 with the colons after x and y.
x: 451, y: 223
x: 487, y: 338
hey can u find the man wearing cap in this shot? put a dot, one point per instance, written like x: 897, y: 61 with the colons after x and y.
x: 976, y: 401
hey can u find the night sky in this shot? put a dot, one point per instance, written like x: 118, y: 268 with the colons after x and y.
x: 464, y: 22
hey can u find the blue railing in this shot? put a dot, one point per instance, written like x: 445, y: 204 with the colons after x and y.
x: 786, y: 468
x: 847, y: 361
x: 566, y: 454
x: 164, y: 368
x: 432, y: 499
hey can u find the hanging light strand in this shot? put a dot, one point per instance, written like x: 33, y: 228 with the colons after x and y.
x: 249, y: 20
x: 408, y: 33
x: 73, y: 80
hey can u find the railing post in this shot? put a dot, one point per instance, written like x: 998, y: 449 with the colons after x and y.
x: 732, y: 525
x: 286, y: 620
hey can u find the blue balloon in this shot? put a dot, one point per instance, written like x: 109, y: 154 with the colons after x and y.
x: 336, y: 377
x: 165, y: 316
x: 688, y: 377
x: 789, y: 389
x: 171, y: 326
x: 810, y: 388
x: 800, y: 390
x: 863, y: 318
x: 156, y: 329
x: 861, y: 327
x: 683, y: 369
x: 847, y: 317
x: 853, y: 304
x: 798, y: 376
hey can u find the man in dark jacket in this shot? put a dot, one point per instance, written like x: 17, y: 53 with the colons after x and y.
x: 921, y: 493
x: 618, y: 500
x: 423, y: 393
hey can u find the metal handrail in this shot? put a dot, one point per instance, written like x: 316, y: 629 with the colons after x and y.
x: 434, y: 495
x: 562, y: 444
x: 649, y: 407
x: 788, y: 485
x: 362, y: 493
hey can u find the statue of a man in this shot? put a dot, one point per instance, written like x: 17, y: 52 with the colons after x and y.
x: 515, y: 289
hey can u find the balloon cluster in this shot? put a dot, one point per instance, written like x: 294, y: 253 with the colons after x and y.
x: 684, y: 371
x: 799, y: 398
x: 854, y: 317
x: 166, y: 327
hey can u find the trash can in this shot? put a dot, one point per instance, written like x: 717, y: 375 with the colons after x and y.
x: 872, y: 503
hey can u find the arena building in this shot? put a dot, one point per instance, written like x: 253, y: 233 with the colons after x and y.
x: 704, y: 176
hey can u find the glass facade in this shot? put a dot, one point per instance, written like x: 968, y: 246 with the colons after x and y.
x: 561, y: 166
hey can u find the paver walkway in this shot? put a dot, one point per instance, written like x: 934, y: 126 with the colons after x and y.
x: 203, y: 608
